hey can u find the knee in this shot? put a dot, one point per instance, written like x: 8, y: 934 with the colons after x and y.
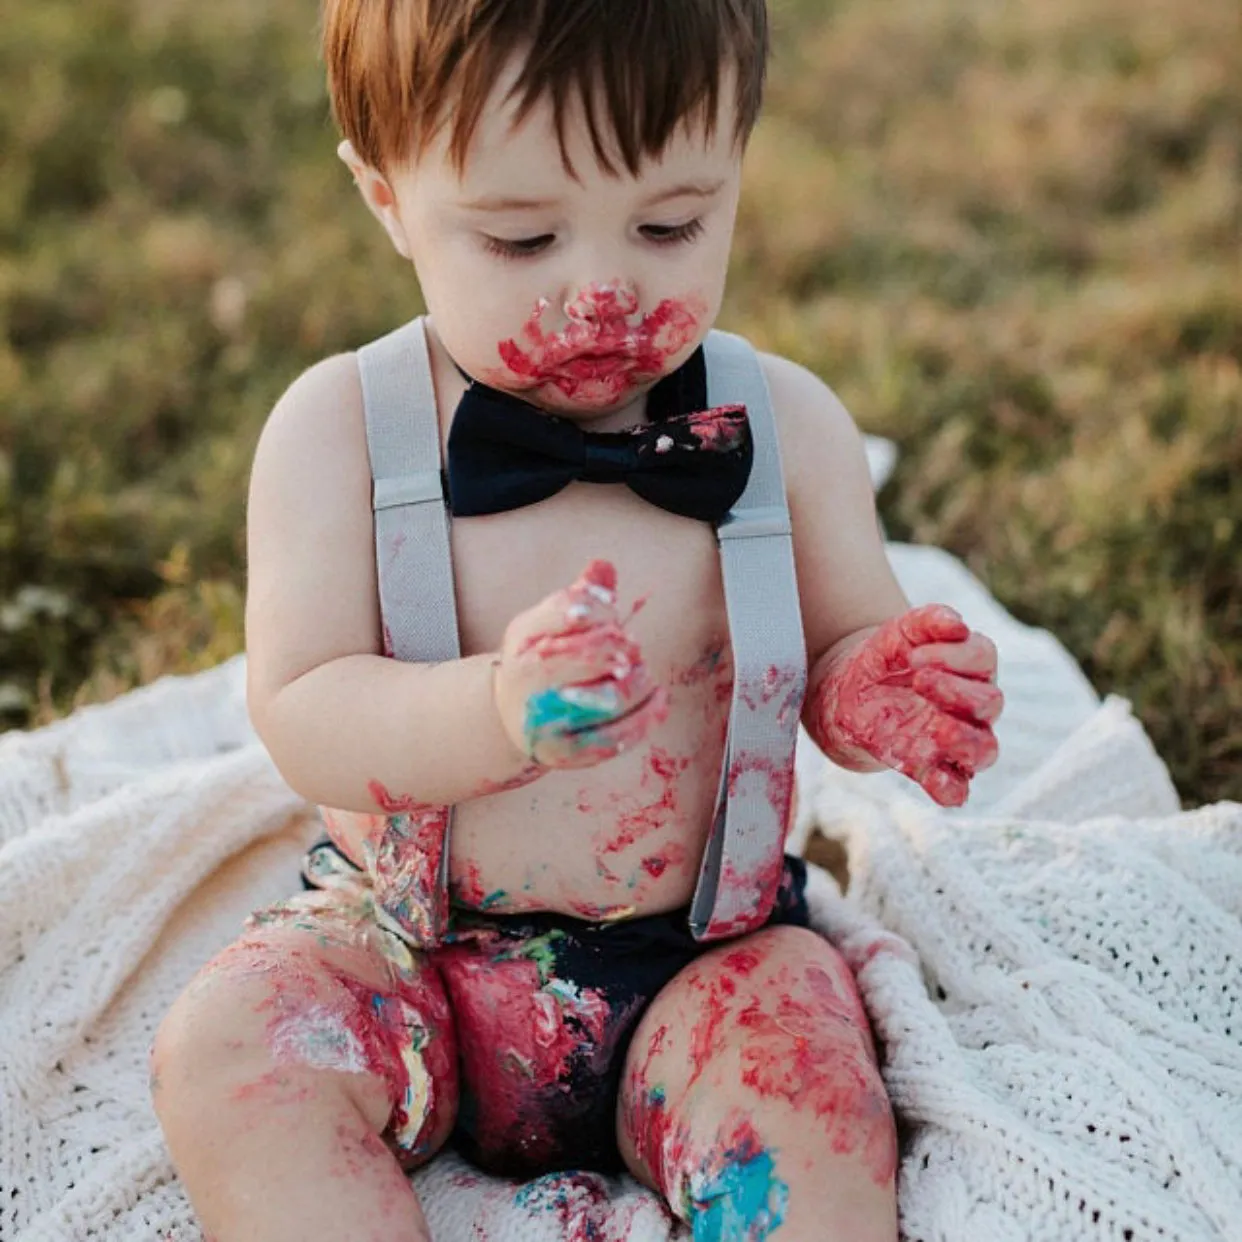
x: 772, y: 1166
x: 822, y: 1093
x: 205, y: 1040
x: 276, y: 1023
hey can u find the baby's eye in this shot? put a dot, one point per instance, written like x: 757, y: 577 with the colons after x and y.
x: 672, y: 234
x: 517, y: 248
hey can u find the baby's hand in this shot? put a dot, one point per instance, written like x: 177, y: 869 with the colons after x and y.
x: 916, y: 695
x: 571, y: 688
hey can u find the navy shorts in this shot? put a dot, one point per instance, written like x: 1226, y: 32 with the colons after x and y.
x: 546, y: 1006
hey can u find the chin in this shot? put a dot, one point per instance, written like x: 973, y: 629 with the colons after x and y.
x: 592, y: 396
x: 587, y: 396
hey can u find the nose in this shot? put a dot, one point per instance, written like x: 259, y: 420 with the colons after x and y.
x: 601, y: 304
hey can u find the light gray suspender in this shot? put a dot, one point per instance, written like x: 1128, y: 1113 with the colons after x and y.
x: 745, y: 850
x: 742, y: 862
x: 413, y: 559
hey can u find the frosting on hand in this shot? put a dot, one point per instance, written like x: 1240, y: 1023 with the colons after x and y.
x: 571, y: 687
x: 917, y: 694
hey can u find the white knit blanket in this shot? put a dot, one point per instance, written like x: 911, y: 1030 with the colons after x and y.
x: 1066, y: 1061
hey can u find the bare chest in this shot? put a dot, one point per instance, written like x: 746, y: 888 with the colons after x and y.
x: 668, y: 568
x: 626, y: 835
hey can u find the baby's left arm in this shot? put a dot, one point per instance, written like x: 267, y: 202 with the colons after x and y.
x: 890, y: 686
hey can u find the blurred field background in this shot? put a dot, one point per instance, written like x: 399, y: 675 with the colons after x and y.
x: 1007, y: 233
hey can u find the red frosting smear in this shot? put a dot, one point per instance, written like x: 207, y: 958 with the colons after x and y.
x: 531, y: 772
x: 407, y: 864
x: 716, y: 662
x: 659, y: 1145
x: 806, y: 1043
x: 602, y: 575
x: 868, y: 706
x: 582, y: 1205
x: 829, y: 1069
x: 787, y: 683
x: 601, y: 353
x: 395, y: 804
x: 671, y: 856
x: 468, y: 887
x: 754, y: 895
x: 515, y: 1041
x: 325, y: 1019
x: 383, y: 1024
x: 718, y: 430
x: 664, y: 770
x: 780, y: 779
x: 742, y: 961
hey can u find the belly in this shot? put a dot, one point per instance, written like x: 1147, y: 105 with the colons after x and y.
x: 625, y: 837
x: 621, y: 839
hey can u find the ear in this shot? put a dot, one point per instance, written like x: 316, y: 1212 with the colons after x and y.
x: 377, y: 194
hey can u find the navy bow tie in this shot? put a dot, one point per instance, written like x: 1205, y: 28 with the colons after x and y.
x: 504, y: 453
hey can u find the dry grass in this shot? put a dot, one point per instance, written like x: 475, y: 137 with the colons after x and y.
x: 1007, y: 233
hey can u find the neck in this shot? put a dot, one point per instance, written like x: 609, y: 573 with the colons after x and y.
x: 629, y: 415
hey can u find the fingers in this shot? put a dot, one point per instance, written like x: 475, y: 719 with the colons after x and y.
x: 944, y: 755
x: 585, y: 697
x: 573, y: 688
x: 977, y: 701
x: 933, y: 623
x: 899, y: 637
x: 584, y: 749
x: 919, y: 696
x: 590, y: 601
x: 581, y: 657
x: 574, y: 638
x: 968, y: 747
x: 974, y: 657
x: 947, y: 785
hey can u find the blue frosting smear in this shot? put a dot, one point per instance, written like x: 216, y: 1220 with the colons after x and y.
x: 744, y: 1202
x: 572, y: 710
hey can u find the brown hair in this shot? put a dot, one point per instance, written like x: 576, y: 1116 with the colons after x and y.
x: 399, y: 70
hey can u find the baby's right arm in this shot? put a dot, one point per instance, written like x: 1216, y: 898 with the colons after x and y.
x: 347, y: 727
x: 350, y: 728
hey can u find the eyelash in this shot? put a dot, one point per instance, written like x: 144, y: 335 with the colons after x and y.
x: 674, y: 235
x: 529, y: 247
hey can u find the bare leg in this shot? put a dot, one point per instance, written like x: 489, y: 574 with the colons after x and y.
x: 298, y: 1074
x: 752, y: 1101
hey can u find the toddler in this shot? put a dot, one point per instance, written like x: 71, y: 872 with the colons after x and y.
x: 533, y: 615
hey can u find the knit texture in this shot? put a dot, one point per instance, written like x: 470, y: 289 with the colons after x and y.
x: 1053, y: 973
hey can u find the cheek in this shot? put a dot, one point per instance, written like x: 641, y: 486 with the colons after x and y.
x: 712, y: 268
x: 475, y: 300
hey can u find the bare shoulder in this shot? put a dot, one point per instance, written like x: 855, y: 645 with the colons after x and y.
x: 309, y: 529
x: 819, y: 439
x: 312, y: 452
x: 321, y: 408
x: 844, y: 577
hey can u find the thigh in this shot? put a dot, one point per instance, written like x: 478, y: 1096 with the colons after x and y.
x: 316, y: 988
x: 751, y: 1096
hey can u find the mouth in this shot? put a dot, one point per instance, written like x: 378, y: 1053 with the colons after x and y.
x: 595, y: 364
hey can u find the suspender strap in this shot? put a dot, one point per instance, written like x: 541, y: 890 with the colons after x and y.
x: 411, y: 523
x: 743, y: 860
x: 417, y: 602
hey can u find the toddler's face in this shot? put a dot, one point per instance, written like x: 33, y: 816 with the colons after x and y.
x: 576, y: 293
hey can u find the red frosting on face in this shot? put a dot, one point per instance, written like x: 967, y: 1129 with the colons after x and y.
x: 602, y: 352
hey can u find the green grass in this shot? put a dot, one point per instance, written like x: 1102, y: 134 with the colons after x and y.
x: 1007, y: 233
